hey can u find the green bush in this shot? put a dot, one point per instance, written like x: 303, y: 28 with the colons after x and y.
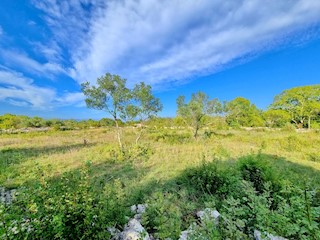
x: 294, y: 218
x: 256, y: 170
x: 163, y: 216
x: 65, y: 208
x: 211, y: 180
x: 134, y: 153
x: 171, y: 138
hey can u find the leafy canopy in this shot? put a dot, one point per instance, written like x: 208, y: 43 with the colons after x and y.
x: 195, y: 113
x: 301, y: 103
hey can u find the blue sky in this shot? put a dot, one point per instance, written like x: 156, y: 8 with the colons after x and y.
x: 224, y: 48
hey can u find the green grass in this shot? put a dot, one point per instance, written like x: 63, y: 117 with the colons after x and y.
x: 164, y: 165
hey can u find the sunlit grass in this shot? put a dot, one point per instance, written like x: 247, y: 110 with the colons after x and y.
x: 59, y: 152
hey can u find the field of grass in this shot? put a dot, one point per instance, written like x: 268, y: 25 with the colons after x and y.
x: 164, y: 164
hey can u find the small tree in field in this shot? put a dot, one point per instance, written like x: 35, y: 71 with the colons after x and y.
x: 195, y: 113
x: 146, y: 105
x: 110, y: 95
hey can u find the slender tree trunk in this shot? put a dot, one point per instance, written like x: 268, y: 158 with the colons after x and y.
x: 139, y: 135
x: 195, y: 135
x: 309, y: 122
x: 118, y: 133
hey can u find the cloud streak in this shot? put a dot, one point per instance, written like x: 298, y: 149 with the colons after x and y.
x: 173, y: 40
x: 18, y: 90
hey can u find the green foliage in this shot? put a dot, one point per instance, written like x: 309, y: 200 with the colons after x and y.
x: 293, y: 218
x: 65, y: 208
x: 163, y: 216
x: 112, y: 96
x: 240, y: 112
x: 195, y: 113
x: 301, y: 103
x: 211, y: 180
x: 276, y: 118
x: 171, y: 138
x: 256, y: 170
x: 138, y: 152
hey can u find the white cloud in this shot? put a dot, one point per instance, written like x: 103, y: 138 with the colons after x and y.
x: 19, y: 90
x: 68, y: 98
x: 23, y: 61
x: 172, y: 40
x: 50, y: 50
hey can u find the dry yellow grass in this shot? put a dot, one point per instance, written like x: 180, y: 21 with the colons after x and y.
x: 58, y: 152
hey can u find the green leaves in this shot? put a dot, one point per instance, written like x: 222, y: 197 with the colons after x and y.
x: 301, y: 103
x: 240, y: 112
x: 112, y: 95
x: 195, y: 113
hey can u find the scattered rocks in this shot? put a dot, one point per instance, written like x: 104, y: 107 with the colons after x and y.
x: 115, y: 233
x: 138, y: 210
x: 134, y: 231
x: 185, y: 234
x: 7, y: 196
x: 259, y: 236
x: 208, y: 214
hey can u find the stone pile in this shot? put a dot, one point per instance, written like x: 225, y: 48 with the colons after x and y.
x: 135, y: 231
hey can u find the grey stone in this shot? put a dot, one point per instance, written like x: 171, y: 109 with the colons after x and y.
x: 184, y: 234
x: 7, y: 196
x: 208, y: 214
x: 268, y: 236
x: 141, y: 208
x: 133, y: 208
x: 134, y: 231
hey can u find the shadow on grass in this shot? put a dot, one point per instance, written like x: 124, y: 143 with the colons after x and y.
x: 11, y: 156
x: 283, y: 169
x: 188, y: 195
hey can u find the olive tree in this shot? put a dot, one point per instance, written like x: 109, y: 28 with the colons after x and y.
x: 195, y: 112
x: 111, y: 95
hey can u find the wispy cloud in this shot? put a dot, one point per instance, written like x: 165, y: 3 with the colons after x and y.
x: 21, y: 60
x: 174, y: 40
x: 18, y: 90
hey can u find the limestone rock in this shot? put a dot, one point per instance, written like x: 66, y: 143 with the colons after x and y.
x: 134, y: 231
x: 258, y: 236
x: 7, y: 196
x: 208, y: 214
x: 141, y: 208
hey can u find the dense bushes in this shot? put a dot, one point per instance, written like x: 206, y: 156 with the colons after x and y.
x: 163, y: 216
x: 252, y: 195
x: 65, y: 208
x: 249, y: 194
x: 211, y: 180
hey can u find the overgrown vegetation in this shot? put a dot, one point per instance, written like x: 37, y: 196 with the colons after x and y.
x: 80, y: 184
x: 274, y: 189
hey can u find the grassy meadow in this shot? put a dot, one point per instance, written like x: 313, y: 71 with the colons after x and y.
x: 167, y: 170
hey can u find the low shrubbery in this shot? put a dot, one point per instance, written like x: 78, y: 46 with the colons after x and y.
x: 250, y: 194
x: 68, y: 207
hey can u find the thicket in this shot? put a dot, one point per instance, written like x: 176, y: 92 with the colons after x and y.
x: 72, y: 206
x: 249, y: 194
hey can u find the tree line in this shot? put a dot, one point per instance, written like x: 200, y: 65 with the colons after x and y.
x: 11, y: 121
x: 298, y: 107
